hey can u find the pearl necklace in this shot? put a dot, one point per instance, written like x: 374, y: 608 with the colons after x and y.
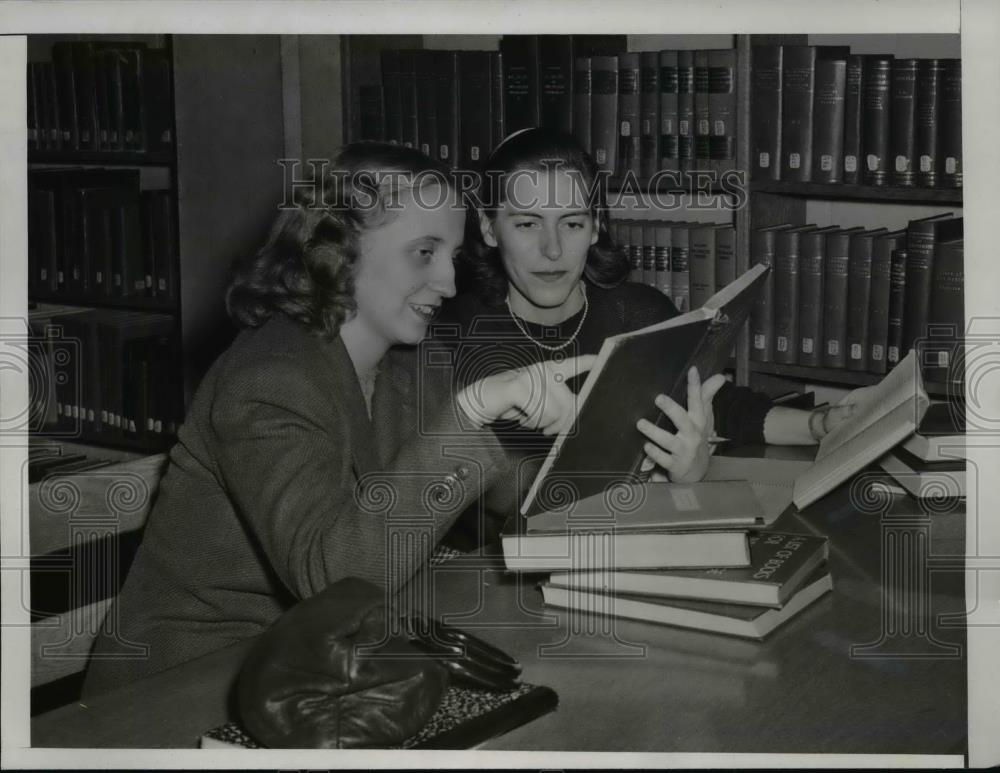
x: 548, y: 347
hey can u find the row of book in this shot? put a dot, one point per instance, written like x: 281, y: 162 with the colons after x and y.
x: 94, y: 236
x: 104, y: 376
x: 860, y: 299
x: 822, y: 114
x: 101, y: 96
x: 637, y: 113
x: 687, y: 261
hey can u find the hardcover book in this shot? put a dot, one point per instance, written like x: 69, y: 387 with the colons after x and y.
x: 950, y: 162
x: 853, y: 110
x: 921, y: 243
x: 765, y: 119
x: 903, y: 112
x: 779, y: 564
x: 762, y: 248
x: 631, y: 369
x: 604, y: 111
x: 859, y: 287
x: 875, y: 120
x: 879, y: 298
x: 749, y: 621
x: 927, y: 142
x: 828, y: 120
x: 937, y: 480
x: 668, y: 111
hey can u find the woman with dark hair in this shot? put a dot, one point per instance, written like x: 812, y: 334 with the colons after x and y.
x: 302, y: 441
x: 546, y: 279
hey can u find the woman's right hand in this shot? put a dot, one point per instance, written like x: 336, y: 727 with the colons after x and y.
x: 535, y: 396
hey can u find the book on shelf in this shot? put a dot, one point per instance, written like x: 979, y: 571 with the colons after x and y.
x: 835, y: 296
x: 649, y: 113
x: 702, y: 129
x: 812, y: 257
x: 629, y: 104
x: 786, y: 293
x: 581, y: 101
x: 498, y: 113
x: 680, y: 266
x: 604, y: 112
x: 926, y: 142
x: 408, y: 99
x: 748, y: 621
x: 830, y: 93
x: 932, y: 480
x: 762, y: 252
x: 879, y: 299
x: 685, y: 110
x: 853, y: 112
x: 779, y: 564
x: 520, y: 81
x: 427, y: 103
x: 859, y: 284
x: 466, y: 718
x: 555, y: 81
x: 941, y: 434
x: 721, y: 110
x: 950, y: 162
x: 630, y: 370
x: 701, y: 262
x: 922, y: 237
x: 663, y: 277
x: 475, y: 108
x: 668, y: 144
x: 891, y: 413
x: 649, y: 253
x: 875, y: 118
x: 941, y: 350
x: 897, y: 307
x: 389, y: 59
x: 903, y: 113
x: 765, y: 118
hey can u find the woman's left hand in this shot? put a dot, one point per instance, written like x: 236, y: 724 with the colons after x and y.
x: 684, y: 454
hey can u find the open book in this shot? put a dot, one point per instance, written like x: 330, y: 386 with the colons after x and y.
x: 892, y: 414
x: 603, y: 446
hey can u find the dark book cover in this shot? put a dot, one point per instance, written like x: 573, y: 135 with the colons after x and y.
x: 663, y: 276
x: 628, y: 115
x: 520, y: 81
x: 555, y: 82
x: 649, y: 113
x: 881, y: 289
x: 835, y: 297
x: 371, y: 119
x: 680, y: 267
x: 798, y: 84
x: 894, y: 351
x: 702, y: 263
x: 50, y: 103
x: 635, y: 245
x: 631, y: 370
x: 859, y: 287
x: 669, y: 159
x: 408, y: 100
x: 42, y: 93
x: 393, y: 97
x: 475, y: 104
x: 497, y: 132
x: 581, y: 102
x: 943, y: 420
x: 102, y: 99
x: 830, y: 92
x: 685, y: 110
x: 116, y: 105
x: 702, y: 128
x: 604, y: 111
x: 102, y: 243
x: 812, y: 259
x: 83, y: 399
x: 853, y: 111
x: 599, y: 45
x: 128, y: 266
x: 946, y: 320
x: 725, y: 255
x: 34, y: 120
x: 926, y: 142
x: 762, y: 247
x: 950, y: 149
x: 427, y: 103
x: 765, y: 113
x: 157, y: 101
x: 921, y: 237
x: 875, y: 121
x: 786, y: 293
x: 722, y: 109
x: 133, y: 131
x: 902, y: 122
x: 446, y: 69
x: 42, y: 218
x: 649, y: 253
x: 164, y: 246
x: 62, y: 61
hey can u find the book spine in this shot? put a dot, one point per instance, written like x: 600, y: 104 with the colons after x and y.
x: 604, y: 111
x: 902, y: 122
x: 702, y: 262
x: 581, y: 102
x: 950, y: 156
x: 765, y: 116
x: 166, y: 280
x: 133, y: 135
x: 680, y: 274
x: 156, y: 98
x: 649, y: 254
x: 925, y: 149
x: 393, y: 96
x: 878, y: 316
x: 835, y: 300
x: 53, y: 118
x: 649, y: 113
x: 664, y: 278
x: 725, y: 256
x: 853, y: 110
x: 116, y: 130
x: 828, y: 123
x: 476, y: 108
x: 628, y: 115
x: 702, y: 127
x: 859, y: 285
x: 408, y: 99
x: 947, y: 314
x: 812, y: 246
x: 762, y: 244
x: 722, y: 110
x: 668, y: 111
x: 897, y: 305
x: 786, y: 296
x: 62, y: 59
x: 520, y: 81
x: 798, y: 83
x: 555, y: 82
x: 920, y: 237
x: 498, y: 109
x: 685, y: 110
x: 875, y: 121
x: 426, y: 79
x: 32, y: 103
x: 449, y: 109
x: 635, y: 243
x: 371, y: 121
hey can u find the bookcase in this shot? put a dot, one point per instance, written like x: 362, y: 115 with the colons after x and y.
x: 766, y: 202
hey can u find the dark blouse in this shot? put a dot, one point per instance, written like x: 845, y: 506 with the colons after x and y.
x: 489, y: 341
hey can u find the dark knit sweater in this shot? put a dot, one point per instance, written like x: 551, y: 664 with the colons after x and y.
x: 489, y: 341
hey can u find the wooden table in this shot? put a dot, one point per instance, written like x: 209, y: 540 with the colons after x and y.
x: 654, y: 688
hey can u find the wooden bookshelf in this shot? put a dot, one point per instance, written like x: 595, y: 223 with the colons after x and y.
x: 859, y: 192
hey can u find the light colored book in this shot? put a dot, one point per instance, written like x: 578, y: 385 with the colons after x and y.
x: 937, y: 480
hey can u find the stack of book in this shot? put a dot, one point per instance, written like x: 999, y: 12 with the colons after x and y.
x: 822, y: 114
x: 931, y: 461
x: 101, y: 96
x: 860, y: 299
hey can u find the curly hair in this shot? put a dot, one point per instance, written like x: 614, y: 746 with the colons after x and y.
x: 306, y: 266
x: 537, y: 149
